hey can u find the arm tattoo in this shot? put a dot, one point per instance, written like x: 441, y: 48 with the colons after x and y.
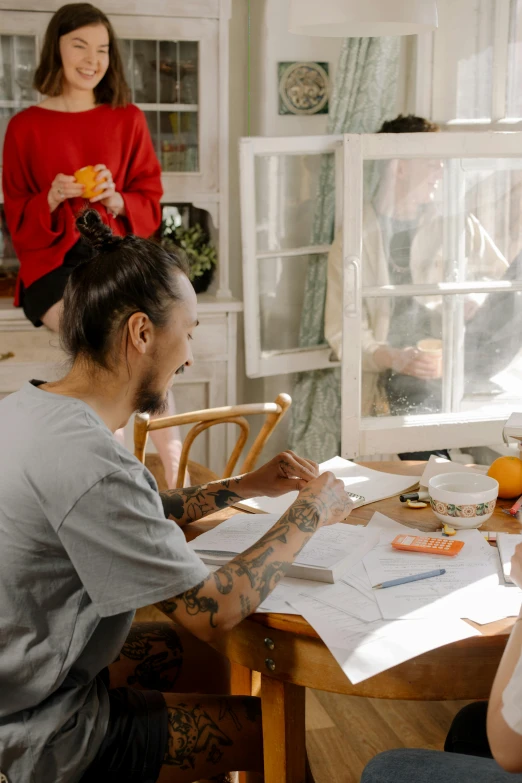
x: 192, y: 503
x: 246, y: 606
x: 260, y: 564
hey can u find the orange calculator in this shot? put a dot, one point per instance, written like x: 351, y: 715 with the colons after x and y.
x: 431, y: 546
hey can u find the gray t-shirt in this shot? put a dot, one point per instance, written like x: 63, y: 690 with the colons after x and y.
x: 83, y: 543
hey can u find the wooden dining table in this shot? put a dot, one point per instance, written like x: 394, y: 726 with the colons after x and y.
x: 277, y: 656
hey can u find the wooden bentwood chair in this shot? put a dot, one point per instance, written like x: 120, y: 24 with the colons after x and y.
x: 232, y: 414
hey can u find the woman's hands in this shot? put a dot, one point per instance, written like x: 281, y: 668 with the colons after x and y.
x: 109, y: 197
x: 282, y: 474
x: 64, y: 186
x: 408, y: 361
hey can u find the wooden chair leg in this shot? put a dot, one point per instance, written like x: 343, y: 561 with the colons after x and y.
x: 283, y: 706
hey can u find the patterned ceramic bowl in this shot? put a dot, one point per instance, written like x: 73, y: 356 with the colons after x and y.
x: 463, y: 500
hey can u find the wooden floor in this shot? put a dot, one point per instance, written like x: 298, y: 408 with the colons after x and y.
x: 345, y: 732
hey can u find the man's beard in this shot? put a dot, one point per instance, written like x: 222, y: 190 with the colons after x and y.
x: 147, y: 399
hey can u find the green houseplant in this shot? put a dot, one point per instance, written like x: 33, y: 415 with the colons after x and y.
x: 200, y: 253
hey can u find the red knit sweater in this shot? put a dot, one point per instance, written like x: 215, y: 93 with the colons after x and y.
x: 40, y: 144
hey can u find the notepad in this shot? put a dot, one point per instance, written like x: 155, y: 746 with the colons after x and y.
x: 506, y: 544
x: 363, y: 484
x: 326, y: 556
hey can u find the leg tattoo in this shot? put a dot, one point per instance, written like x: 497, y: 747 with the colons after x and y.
x: 193, y: 731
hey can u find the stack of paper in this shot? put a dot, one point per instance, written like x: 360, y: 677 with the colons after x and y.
x: 368, y: 485
x: 324, y: 558
x: 368, y: 630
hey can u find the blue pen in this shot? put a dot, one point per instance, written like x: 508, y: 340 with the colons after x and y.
x: 405, y: 579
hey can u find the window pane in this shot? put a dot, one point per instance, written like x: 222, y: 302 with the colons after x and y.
x: 287, y: 188
x: 5, y: 116
x: 178, y: 72
x: 141, y: 71
x: 492, y: 350
x: 281, y: 295
x: 24, y: 65
x: 514, y: 84
x: 6, y: 69
x: 152, y: 122
x: 464, y: 59
x: 179, y: 140
x: 401, y: 389
x: 188, y: 69
x: 17, y: 66
x: 460, y: 353
x: 434, y: 221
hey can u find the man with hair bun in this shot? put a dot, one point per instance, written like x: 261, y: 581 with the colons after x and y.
x: 87, y: 539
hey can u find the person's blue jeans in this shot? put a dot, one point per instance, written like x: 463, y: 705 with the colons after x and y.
x: 434, y: 766
x: 467, y: 757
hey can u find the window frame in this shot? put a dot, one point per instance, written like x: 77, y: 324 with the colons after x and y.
x: 431, y: 90
x: 258, y: 363
x: 359, y: 435
x: 391, y: 434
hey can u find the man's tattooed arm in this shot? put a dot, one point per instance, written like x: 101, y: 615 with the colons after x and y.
x: 232, y: 592
x: 283, y: 473
x: 193, y: 503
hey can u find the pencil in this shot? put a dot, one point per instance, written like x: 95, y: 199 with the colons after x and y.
x: 405, y: 579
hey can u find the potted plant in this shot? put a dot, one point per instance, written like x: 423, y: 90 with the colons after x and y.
x: 200, y: 253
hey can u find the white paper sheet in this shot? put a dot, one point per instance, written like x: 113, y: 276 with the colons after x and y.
x: 327, y: 546
x: 438, y: 465
x: 357, y: 578
x: 506, y: 545
x: 495, y: 604
x: 346, y: 599
x: 455, y: 593
x: 365, y: 649
x: 371, y: 484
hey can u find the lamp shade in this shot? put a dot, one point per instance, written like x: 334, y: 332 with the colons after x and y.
x: 362, y: 18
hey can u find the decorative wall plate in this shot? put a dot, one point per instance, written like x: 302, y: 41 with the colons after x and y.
x: 303, y: 88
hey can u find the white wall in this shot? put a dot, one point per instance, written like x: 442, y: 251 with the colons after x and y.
x: 271, y: 43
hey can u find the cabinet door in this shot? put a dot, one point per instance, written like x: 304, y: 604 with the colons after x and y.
x: 20, y: 43
x: 172, y: 70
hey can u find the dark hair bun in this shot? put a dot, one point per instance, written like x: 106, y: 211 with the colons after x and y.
x: 98, y: 235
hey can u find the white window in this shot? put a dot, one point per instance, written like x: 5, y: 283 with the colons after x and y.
x: 430, y: 251
x: 469, y: 70
x: 279, y: 187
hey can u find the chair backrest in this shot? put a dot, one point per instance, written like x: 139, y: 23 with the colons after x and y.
x: 202, y: 420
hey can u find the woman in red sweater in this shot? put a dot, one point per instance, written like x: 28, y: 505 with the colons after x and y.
x: 84, y: 120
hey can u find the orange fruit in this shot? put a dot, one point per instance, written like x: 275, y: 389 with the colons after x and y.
x: 508, y: 472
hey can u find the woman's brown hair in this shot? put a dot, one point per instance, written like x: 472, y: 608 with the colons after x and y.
x: 48, y: 78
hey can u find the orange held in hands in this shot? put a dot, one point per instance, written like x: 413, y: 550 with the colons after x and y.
x: 508, y: 472
x: 87, y: 177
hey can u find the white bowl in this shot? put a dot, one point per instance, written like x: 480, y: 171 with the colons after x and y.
x: 463, y: 500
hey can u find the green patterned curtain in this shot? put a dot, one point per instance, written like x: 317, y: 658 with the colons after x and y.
x: 364, y: 96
